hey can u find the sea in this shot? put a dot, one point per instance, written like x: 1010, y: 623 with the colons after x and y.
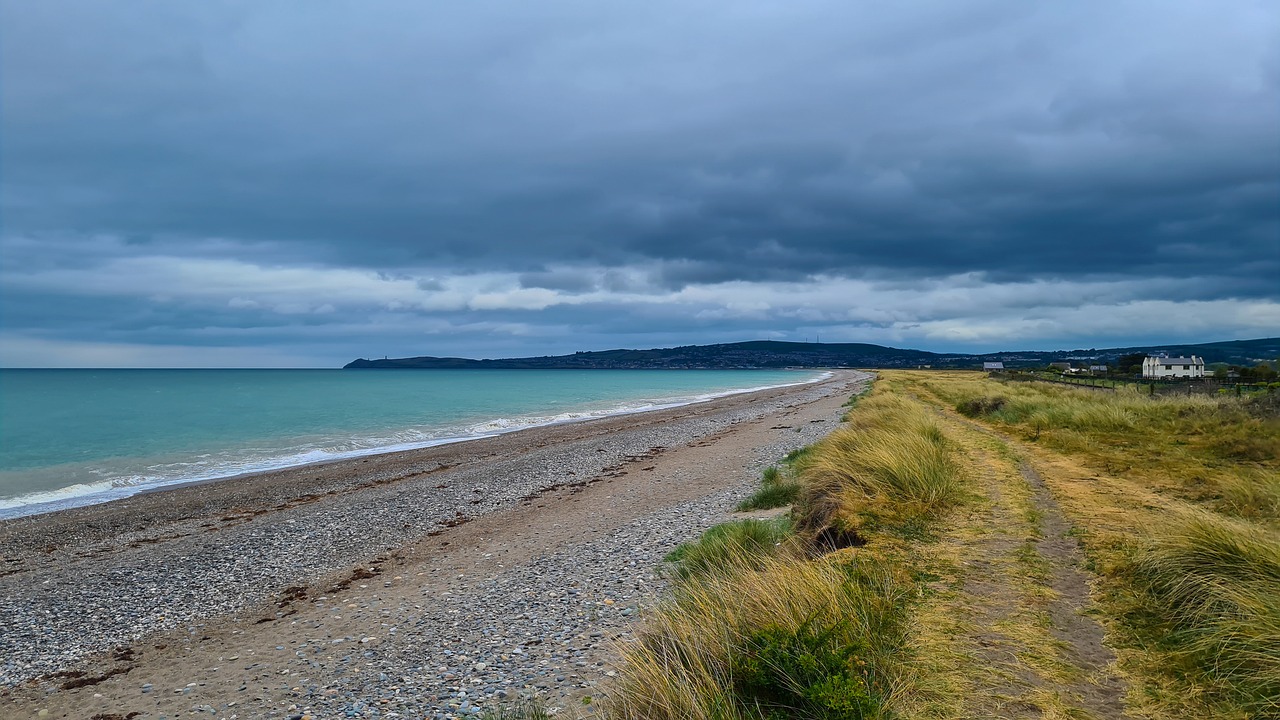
x: 77, y: 437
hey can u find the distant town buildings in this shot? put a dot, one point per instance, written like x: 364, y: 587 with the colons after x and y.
x: 1173, y: 367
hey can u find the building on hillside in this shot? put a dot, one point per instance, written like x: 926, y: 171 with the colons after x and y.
x: 996, y: 366
x: 1097, y: 369
x: 1063, y: 366
x: 1173, y: 367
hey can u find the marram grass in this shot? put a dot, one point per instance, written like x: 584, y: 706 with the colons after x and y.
x: 728, y: 546
x: 528, y: 709
x: 777, y: 637
x: 1208, y: 594
x: 1192, y: 573
x: 778, y: 488
x: 1223, y: 450
x: 763, y: 623
x: 891, y: 463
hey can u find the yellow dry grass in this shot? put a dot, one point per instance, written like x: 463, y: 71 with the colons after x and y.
x: 890, y: 465
x: 980, y: 642
x: 706, y: 653
x: 682, y: 665
x: 1175, y: 502
x: 945, y: 596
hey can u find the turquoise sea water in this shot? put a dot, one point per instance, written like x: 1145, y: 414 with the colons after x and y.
x: 74, y: 437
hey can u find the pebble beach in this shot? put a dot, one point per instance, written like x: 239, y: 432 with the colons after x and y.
x: 430, y: 583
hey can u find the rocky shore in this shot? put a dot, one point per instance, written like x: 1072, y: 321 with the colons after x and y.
x: 431, y: 583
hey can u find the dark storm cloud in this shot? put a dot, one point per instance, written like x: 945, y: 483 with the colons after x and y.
x: 602, y: 149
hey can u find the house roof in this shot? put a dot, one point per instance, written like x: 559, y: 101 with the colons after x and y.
x: 1179, y: 361
x: 993, y: 365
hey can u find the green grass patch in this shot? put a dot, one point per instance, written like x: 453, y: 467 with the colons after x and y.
x: 728, y: 544
x: 806, y: 672
x: 771, y: 475
x: 853, y: 401
x: 777, y: 489
x: 801, y: 639
x: 797, y: 457
x: 771, y: 496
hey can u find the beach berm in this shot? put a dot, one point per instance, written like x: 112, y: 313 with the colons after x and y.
x: 437, y: 583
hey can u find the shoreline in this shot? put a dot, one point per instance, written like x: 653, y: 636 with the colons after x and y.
x: 520, y: 424
x: 429, y: 581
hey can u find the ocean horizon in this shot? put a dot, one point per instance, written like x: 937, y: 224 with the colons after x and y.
x: 73, y: 437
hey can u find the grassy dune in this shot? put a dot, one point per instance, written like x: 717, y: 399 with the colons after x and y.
x: 889, y: 468
x: 1177, y: 502
x: 773, y: 637
x: 963, y: 548
x: 1219, y: 451
x: 782, y: 619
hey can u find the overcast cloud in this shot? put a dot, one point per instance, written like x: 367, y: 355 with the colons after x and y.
x: 285, y: 183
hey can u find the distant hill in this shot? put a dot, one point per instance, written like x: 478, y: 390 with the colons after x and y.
x: 772, y: 354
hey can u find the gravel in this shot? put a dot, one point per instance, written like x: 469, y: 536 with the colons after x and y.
x: 539, y: 629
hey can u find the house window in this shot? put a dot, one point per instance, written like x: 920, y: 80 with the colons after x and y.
x: 1168, y: 367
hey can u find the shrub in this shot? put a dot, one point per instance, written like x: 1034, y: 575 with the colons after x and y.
x: 804, y: 671
x: 980, y: 406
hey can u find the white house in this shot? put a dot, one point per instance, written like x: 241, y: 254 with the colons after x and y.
x: 1173, y: 367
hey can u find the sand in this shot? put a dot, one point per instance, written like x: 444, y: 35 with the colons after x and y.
x: 433, y: 582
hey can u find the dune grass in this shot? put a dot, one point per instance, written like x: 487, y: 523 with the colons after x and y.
x: 766, y: 622
x: 771, y: 495
x: 777, y: 637
x: 729, y: 546
x: 890, y: 467
x: 523, y: 710
x: 778, y: 488
x: 1205, y: 590
x: 1219, y: 450
x: 1180, y: 510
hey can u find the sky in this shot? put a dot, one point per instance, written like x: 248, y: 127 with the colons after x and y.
x: 297, y: 184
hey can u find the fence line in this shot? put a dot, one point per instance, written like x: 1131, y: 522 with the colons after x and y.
x: 1149, y: 386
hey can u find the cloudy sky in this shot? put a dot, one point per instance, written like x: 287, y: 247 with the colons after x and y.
x: 267, y: 183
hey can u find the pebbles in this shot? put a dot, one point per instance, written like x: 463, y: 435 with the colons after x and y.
x: 541, y: 628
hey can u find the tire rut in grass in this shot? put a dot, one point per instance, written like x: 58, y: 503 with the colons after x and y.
x: 1098, y: 691
x: 1102, y: 692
